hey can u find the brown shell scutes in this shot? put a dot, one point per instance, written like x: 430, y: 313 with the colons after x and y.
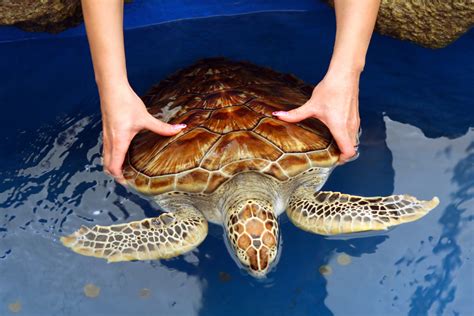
x: 227, y: 107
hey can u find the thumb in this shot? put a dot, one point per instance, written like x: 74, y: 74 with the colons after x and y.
x: 295, y: 115
x: 162, y: 128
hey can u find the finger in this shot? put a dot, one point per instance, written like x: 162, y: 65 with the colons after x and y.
x: 357, y: 137
x: 106, y: 151
x: 117, y: 157
x: 295, y: 115
x: 357, y: 128
x: 346, y: 144
x: 162, y: 128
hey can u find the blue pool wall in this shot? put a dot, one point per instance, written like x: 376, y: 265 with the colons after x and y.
x: 142, y: 13
x: 38, y: 66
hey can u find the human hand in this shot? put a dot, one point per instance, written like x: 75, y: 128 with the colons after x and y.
x: 335, y: 102
x: 123, y: 116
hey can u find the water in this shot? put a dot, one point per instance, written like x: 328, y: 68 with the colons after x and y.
x: 418, y: 122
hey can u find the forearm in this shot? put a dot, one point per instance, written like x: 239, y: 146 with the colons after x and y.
x: 355, y: 20
x: 335, y: 100
x: 123, y: 112
x: 104, y: 25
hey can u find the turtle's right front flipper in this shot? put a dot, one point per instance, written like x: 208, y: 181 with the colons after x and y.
x: 165, y: 236
x: 330, y: 213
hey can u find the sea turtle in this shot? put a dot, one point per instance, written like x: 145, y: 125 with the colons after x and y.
x: 237, y: 166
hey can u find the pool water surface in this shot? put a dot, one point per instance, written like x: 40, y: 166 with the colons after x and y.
x: 417, y: 114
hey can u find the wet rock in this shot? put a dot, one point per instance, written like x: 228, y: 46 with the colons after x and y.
x: 91, y: 290
x: 432, y: 24
x: 343, y: 259
x: 41, y: 15
x: 224, y: 277
x: 51, y: 16
x: 145, y: 293
x: 325, y: 270
x: 15, y: 307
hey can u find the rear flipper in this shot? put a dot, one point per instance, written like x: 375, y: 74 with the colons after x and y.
x: 165, y: 236
x: 330, y: 213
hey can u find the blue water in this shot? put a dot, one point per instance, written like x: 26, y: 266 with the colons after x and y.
x: 417, y: 113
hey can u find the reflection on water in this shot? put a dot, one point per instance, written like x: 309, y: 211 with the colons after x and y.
x: 449, y: 164
x: 424, y: 268
x: 52, y: 182
x: 417, y: 267
x: 60, y: 186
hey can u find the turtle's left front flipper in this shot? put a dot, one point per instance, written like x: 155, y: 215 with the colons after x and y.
x: 162, y: 237
x: 330, y: 213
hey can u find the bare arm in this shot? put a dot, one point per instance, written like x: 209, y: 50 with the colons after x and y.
x: 123, y: 112
x: 335, y: 100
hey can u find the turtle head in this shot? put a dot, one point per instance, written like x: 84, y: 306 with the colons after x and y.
x: 252, y: 230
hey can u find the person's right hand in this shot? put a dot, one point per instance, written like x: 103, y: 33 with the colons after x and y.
x: 123, y: 116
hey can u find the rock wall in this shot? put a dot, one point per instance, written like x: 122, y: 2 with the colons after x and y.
x: 429, y: 23
x: 41, y: 15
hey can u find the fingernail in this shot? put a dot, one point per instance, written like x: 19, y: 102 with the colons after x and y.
x: 280, y: 113
x: 179, y: 126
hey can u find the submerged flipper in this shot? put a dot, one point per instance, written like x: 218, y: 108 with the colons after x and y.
x: 330, y: 213
x: 165, y: 236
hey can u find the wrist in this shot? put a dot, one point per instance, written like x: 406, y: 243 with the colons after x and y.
x: 106, y: 86
x: 342, y: 75
x: 351, y: 69
x: 350, y: 63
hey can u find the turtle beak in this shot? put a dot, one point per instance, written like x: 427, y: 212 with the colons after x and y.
x: 260, y: 260
x: 252, y: 231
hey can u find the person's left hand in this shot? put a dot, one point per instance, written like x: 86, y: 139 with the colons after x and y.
x: 335, y: 102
